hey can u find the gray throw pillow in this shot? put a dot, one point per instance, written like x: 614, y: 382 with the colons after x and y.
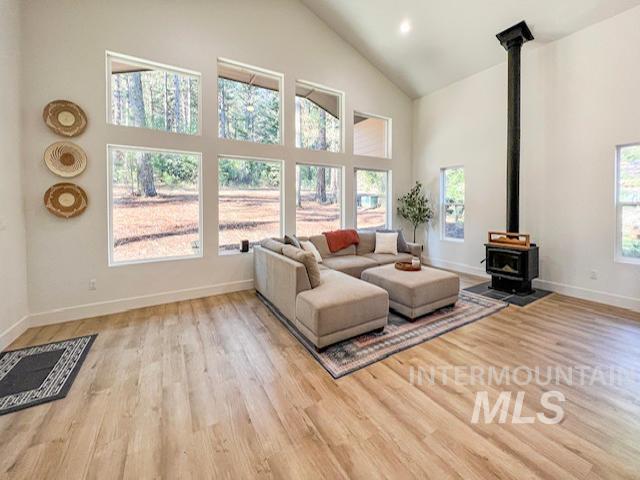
x: 307, y: 259
x: 402, y: 244
x: 292, y: 240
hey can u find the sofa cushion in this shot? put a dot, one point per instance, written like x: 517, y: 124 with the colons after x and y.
x: 307, y: 259
x: 386, y: 258
x: 367, y: 242
x: 339, y: 303
x: 352, y: 265
x: 320, y: 241
x: 273, y: 245
x: 310, y: 247
x: 402, y: 243
x: 387, y: 242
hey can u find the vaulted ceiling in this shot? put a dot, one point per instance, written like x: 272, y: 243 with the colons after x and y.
x: 450, y: 39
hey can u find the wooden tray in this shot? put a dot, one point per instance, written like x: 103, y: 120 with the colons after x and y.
x: 408, y: 267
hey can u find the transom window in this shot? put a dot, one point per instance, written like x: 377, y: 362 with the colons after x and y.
x: 628, y: 203
x: 249, y: 201
x: 249, y: 103
x: 151, y: 95
x: 318, y: 199
x: 154, y: 205
x: 452, y: 202
x: 319, y: 117
x: 371, y: 135
x: 372, y: 199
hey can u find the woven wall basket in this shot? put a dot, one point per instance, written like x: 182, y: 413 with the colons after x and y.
x: 66, y: 200
x: 65, y: 159
x: 65, y: 118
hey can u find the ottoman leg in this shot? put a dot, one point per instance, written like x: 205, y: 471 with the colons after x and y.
x: 378, y: 330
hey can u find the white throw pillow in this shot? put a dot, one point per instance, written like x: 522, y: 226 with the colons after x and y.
x: 387, y: 242
x: 310, y: 247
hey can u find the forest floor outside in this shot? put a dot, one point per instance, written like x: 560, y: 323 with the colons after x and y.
x: 167, y: 225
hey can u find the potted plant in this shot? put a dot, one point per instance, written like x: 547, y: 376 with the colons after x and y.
x: 415, y: 207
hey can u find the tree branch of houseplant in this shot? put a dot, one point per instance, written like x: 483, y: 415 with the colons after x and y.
x: 415, y: 207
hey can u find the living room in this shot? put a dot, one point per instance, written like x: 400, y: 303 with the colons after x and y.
x: 214, y: 208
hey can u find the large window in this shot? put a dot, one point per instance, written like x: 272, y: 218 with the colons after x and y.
x: 318, y: 117
x: 149, y: 95
x: 249, y: 201
x: 372, y: 199
x: 248, y: 103
x: 452, y: 203
x: 318, y: 199
x: 628, y: 203
x: 154, y: 200
x: 371, y: 135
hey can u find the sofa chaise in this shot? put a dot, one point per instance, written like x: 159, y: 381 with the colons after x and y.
x: 341, y: 306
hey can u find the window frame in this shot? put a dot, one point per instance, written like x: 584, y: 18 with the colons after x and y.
x: 341, y: 107
x: 112, y: 263
x: 389, y: 203
x: 254, y: 158
x: 140, y: 62
x: 341, y: 168
x: 618, y: 205
x: 443, y: 186
x: 261, y: 71
x: 388, y: 134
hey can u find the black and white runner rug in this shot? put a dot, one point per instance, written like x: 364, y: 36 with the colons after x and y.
x: 34, y: 375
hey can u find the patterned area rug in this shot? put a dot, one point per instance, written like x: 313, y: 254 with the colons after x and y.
x: 34, y: 375
x: 350, y: 355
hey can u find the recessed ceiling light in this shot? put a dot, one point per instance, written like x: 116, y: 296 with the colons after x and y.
x: 405, y: 27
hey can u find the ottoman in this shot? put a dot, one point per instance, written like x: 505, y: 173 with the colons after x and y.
x: 414, y: 294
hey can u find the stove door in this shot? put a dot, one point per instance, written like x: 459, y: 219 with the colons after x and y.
x: 505, y: 263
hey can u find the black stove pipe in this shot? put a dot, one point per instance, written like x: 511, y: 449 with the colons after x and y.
x: 512, y: 40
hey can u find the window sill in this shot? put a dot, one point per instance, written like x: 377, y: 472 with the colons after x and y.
x: 231, y: 253
x: 452, y: 240
x: 155, y: 260
x: 627, y: 260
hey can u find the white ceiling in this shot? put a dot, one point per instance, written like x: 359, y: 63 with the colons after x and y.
x: 451, y: 39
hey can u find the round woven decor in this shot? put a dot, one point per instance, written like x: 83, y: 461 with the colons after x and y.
x: 65, y: 159
x: 66, y: 200
x: 65, y: 118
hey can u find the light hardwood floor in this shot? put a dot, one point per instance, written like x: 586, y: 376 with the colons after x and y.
x: 218, y: 388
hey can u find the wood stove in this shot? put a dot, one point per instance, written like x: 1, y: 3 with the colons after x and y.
x: 512, y: 262
x: 511, y: 259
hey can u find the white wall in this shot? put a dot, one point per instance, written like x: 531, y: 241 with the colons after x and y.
x: 580, y: 98
x: 13, y: 279
x: 64, y: 57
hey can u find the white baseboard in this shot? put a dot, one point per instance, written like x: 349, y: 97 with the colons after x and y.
x: 588, y: 294
x: 458, y: 267
x: 122, y: 305
x: 14, y: 331
x: 570, y: 290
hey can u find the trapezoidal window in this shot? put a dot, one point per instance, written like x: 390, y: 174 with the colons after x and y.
x: 249, y: 103
x: 319, y: 117
x: 371, y: 135
x: 150, y: 95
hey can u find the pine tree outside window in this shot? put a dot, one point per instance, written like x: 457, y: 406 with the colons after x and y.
x: 249, y: 103
x: 319, y: 117
x: 150, y: 95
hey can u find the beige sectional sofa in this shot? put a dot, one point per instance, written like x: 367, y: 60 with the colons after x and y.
x: 342, y: 305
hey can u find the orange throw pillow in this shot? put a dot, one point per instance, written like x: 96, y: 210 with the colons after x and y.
x: 339, y: 239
